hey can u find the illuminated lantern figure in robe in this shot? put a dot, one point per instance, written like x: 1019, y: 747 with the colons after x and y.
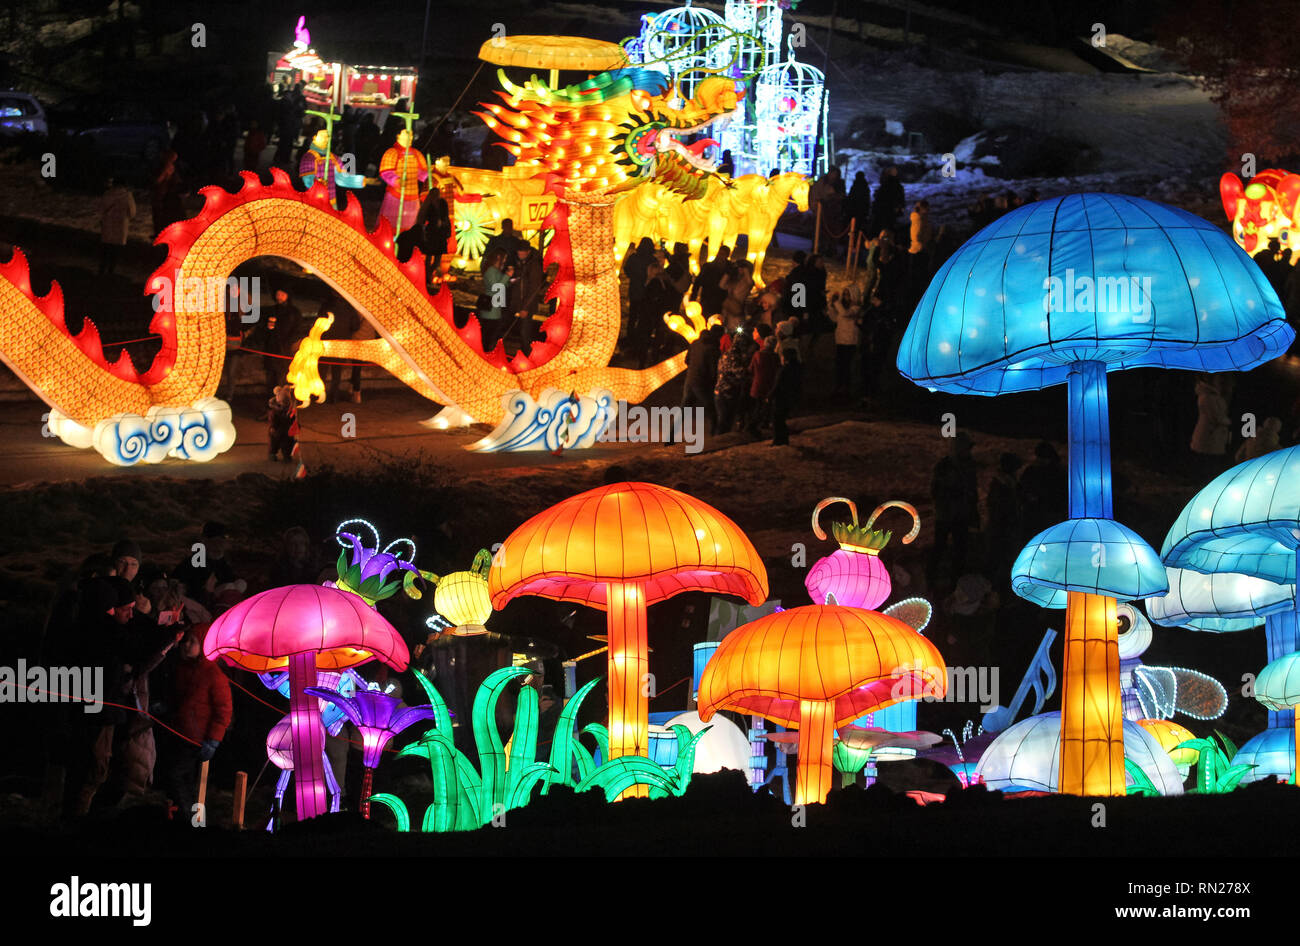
x: 320, y: 162
x: 402, y: 168
x: 1063, y: 291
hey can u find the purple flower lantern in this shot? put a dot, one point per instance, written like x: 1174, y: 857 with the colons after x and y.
x: 366, y: 574
x: 378, y: 717
x: 854, y: 574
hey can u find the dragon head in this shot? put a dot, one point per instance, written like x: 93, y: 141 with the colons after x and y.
x: 612, y: 131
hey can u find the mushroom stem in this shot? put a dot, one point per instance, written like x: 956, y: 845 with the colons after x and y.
x: 1092, y: 733
x: 816, y: 735
x: 1295, y: 779
x: 1089, y: 457
x: 629, y: 667
x: 1282, y: 634
x: 308, y: 737
x: 1092, y: 719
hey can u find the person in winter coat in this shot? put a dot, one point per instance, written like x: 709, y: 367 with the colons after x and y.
x: 661, y: 297
x: 733, y: 380
x: 846, y: 310
x: 888, y: 202
x: 637, y: 270
x: 702, y: 374
x: 786, y: 392
x: 116, y: 210
x: 297, y: 563
x: 496, y: 293
x: 144, y: 646
x: 198, y: 707
x: 763, y: 366
x: 96, y: 642
x: 281, y: 424
x: 527, y: 290
x: 858, y: 205
x: 709, y: 290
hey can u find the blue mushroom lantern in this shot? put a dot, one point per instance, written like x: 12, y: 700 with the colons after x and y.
x: 1063, y: 291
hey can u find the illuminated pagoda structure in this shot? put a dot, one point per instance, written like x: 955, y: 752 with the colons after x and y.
x: 336, y: 83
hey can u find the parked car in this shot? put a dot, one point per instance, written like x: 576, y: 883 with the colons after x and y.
x: 120, y: 131
x: 21, y: 113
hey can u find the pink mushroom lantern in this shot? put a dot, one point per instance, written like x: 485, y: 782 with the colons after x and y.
x: 306, y: 628
x: 853, y: 574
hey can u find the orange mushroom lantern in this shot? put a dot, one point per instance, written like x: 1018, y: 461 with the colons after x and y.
x: 622, y: 548
x: 816, y: 668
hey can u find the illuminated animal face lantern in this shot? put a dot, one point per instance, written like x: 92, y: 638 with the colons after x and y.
x: 1263, y: 210
x: 612, y: 131
x: 853, y: 574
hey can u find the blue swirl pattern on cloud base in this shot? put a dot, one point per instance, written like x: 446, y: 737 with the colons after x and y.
x: 198, y: 432
x: 555, y: 422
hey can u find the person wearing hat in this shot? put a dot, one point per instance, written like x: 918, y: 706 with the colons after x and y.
x: 956, y: 507
x: 126, y: 558
x: 102, y: 607
x: 140, y: 647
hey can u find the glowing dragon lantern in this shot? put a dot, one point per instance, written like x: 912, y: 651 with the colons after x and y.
x: 1064, y: 291
x: 622, y: 548
x: 854, y: 574
x: 1264, y: 209
x: 568, y: 131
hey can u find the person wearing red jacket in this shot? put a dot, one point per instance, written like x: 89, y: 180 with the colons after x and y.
x: 199, y: 711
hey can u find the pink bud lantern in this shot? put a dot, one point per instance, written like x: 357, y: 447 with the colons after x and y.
x: 306, y: 628
x: 853, y: 575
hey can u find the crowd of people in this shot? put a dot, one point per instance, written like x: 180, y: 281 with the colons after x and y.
x: 166, y: 708
x: 745, y: 371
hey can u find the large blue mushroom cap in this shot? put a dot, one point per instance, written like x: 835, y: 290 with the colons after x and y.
x: 1246, y: 520
x: 1094, y: 556
x: 1128, y: 282
x: 1219, y: 602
